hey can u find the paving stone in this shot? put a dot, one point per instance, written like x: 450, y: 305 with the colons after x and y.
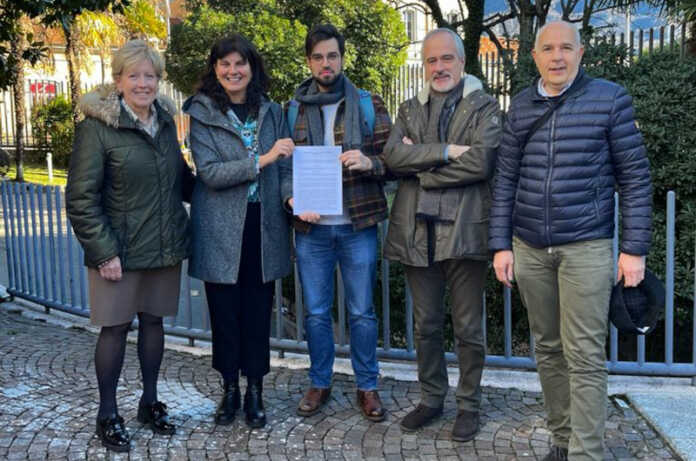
x: 49, y: 397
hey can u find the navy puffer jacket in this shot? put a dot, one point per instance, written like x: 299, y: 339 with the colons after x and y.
x: 560, y: 188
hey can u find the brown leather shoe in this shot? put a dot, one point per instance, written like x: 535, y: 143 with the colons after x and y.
x: 371, y: 405
x: 313, y: 400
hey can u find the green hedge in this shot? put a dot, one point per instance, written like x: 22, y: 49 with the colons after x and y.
x: 663, y: 87
x: 52, y: 125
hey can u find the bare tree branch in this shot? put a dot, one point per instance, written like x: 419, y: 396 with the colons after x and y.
x: 461, y: 10
x: 494, y: 38
x: 434, y: 6
x: 411, y: 5
x: 514, y: 7
x: 496, y: 19
x: 502, y: 51
x: 567, y: 7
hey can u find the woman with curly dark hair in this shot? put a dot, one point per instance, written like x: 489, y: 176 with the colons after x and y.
x: 241, y: 238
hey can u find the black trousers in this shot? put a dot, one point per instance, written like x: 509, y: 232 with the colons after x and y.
x: 240, y: 313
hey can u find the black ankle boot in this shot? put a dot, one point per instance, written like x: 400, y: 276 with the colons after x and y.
x: 229, y: 404
x: 155, y: 416
x: 113, y: 434
x: 253, y: 403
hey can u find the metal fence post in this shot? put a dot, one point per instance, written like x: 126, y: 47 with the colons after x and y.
x: 46, y: 267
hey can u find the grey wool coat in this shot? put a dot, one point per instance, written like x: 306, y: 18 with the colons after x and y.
x: 219, y: 202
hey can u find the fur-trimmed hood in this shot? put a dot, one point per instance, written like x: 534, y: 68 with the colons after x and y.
x: 103, y: 104
x: 471, y: 84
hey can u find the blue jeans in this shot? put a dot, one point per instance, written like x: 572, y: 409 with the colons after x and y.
x: 356, y: 253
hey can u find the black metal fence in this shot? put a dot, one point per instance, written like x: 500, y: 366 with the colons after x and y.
x: 44, y: 261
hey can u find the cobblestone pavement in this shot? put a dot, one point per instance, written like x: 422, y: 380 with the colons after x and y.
x: 48, y: 402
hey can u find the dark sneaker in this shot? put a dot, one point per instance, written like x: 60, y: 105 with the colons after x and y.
x: 556, y: 454
x: 466, y: 426
x: 419, y: 417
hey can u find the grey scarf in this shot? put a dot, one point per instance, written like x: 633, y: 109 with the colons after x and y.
x: 441, y: 204
x: 309, y: 95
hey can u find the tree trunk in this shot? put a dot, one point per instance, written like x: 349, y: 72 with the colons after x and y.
x: 586, y: 31
x: 526, y: 32
x: 691, y: 42
x: 102, y: 68
x: 473, y: 27
x: 73, y: 71
x: 17, y: 47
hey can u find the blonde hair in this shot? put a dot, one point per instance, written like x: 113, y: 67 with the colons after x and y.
x: 131, y: 54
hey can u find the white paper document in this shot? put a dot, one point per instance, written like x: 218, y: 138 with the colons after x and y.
x: 317, y: 180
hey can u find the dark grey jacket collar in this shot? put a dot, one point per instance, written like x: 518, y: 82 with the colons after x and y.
x: 203, y: 109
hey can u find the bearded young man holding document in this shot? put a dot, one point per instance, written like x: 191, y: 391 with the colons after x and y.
x: 329, y: 110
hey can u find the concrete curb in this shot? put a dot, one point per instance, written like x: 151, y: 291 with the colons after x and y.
x: 672, y: 413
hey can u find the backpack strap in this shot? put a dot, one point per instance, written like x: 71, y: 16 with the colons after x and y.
x: 293, y: 109
x: 368, y: 111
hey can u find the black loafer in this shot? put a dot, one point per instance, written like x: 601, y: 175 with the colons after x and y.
x: 155, y: 416
x: 113, y: 434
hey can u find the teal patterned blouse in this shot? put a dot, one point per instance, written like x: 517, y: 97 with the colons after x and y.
x: 248, y: 132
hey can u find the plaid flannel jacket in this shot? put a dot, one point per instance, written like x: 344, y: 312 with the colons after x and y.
x: 362, y: 191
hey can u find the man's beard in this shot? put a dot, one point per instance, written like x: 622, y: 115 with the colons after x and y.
x: 329, y: 83
x: 444, y: 87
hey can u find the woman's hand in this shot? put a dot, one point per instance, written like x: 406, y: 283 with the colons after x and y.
x: 111, y: 269
x: 282, y: 148
x: 307, y: 216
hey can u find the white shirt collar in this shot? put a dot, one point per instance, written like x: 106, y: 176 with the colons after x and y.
x: 544, y: 93
x: 150, y: 127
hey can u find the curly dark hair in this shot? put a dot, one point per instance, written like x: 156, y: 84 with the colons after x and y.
x: 210, y: 86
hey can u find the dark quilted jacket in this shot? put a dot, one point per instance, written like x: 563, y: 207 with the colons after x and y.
x: 560, y: 188
x: 125, y: 189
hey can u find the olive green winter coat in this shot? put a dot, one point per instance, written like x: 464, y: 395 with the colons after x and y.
x: 124, y: 193
x: 475, y: 123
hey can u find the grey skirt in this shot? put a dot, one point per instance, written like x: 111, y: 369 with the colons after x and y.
x: 153, y: 291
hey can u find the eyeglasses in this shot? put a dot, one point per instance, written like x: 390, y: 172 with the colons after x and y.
x: 318, y: 58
